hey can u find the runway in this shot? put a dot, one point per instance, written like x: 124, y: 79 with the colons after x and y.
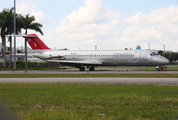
x: 90, y: 80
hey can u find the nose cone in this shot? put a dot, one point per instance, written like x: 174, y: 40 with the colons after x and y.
x: 160, y: 60
x: 164, y: 61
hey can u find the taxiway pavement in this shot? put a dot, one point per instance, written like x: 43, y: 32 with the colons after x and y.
x: 97, y: 71
x: 90, y: 80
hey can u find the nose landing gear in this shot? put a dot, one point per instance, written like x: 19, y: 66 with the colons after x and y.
x: 161, y: 68
x: 157, y: 69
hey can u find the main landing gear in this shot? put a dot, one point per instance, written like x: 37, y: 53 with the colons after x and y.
x: 82, y: 69
x: 90, y: 68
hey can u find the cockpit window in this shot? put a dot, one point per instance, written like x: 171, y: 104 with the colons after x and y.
x: 154, y: 54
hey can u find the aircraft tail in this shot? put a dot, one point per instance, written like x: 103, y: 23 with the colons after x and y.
x: 35, y: 43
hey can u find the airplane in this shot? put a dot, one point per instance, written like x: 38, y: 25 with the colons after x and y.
x: 94, y: 58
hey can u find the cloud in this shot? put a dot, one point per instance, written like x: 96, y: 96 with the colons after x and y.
x: 30, y: 8
x: 92, y: 13
x: 86, y: 27
x: 164, y: 15
x: 25, y: 8
x: 81, y: 27
x: 40, y: 17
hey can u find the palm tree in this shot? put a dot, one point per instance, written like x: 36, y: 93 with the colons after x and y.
x: 7, y: 28
x: 3, y: 16
x: 6, y: 16
x: 1, y: 23
x: 27, y: 22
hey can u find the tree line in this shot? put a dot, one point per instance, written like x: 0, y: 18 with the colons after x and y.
x: 171, y: 56
x: 7, y: 27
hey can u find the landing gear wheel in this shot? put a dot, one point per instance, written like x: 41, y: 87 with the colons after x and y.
x: 157, y: 69
x: 91, y: 69
x: 82, y: 69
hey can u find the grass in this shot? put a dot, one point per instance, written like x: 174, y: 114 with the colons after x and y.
x: 47, y: 68
x: 142, y: 68
x: 29, y: 75
x: 169, y: 68
x: 45, y: 101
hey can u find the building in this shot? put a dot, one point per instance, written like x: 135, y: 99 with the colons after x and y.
x: 19, y: 56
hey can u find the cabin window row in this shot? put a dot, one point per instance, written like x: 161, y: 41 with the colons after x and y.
x: 99, y: 55
x: 88, y: 55
x: 123, y: 55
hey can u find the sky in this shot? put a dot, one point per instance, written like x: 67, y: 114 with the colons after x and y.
x: 107, y: 24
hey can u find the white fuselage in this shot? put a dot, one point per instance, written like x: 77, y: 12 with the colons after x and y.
x: 106, y: 57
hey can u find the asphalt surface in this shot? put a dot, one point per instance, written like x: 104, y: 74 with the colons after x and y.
x: 76, y: 71
x: 90, y: 80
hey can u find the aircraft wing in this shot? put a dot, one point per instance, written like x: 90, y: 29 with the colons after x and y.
x: 76, y: 62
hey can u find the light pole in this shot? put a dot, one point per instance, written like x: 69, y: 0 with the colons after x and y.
x: 14, y: 36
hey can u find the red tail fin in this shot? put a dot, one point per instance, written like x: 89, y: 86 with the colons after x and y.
x: 35, y: 43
